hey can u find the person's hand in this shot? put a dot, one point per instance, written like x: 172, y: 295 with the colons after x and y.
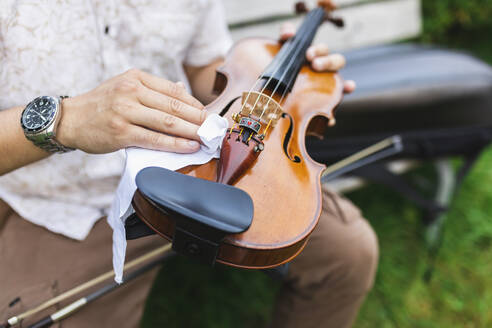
x: 319, y: 56
x: 132, y: 109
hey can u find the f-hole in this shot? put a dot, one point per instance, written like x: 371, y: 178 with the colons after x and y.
x: 226, y: 108
x: 287, y: 137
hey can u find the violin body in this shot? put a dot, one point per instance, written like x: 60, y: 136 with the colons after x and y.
x: 282, y: 180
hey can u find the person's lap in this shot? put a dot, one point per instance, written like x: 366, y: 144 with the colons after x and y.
x: 325, y: 286
x: 329, y: 280
x: 37, y: 265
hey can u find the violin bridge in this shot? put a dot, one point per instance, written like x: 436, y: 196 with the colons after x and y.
x: 261, y: 106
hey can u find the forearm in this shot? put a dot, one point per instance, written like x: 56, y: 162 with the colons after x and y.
x: 15, y: 150
x: 202, y: 80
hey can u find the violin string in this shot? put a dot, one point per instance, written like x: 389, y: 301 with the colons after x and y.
x: 284, y: 93
x: 299, y: 48
x: 249, y: 93
x: 279, y: 65
x: 251, y: 90
x: 246, y: 100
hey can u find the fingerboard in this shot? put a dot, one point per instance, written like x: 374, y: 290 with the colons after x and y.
x: 282, y: 72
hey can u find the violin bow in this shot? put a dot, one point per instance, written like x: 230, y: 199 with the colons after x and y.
x: 83, y: 301
x: 385, y: 148
x: 16, y: 320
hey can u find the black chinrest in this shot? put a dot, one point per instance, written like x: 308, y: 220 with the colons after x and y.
x: 218, y: 206
x: 204, y: 211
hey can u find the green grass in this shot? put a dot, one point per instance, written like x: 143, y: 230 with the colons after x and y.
x: 187, y: 294
x: 459, y: 293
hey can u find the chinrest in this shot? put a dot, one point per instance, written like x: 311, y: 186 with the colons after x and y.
x: 204, y: 211
x: 219, y: 206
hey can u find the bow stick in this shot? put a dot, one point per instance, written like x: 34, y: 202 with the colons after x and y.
x: 385, y: 148
x: 16, y: 320
x: 81, y: 302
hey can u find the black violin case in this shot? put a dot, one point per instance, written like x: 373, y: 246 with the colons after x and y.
x: 439, y: 101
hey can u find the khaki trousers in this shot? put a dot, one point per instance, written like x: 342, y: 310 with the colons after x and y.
x: 325, y: 286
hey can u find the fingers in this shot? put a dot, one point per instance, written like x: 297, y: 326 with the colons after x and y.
x: 171, y: 89
x: 287, y: 30
x: 321, y: 60
x: 327, y: 4
x: 172, y: 106
x: 349, y: 86
x: 157, y: 141
x: 163, y: 122
x: 165, y: 115
x: 317, y: 51
x: 333, y: 62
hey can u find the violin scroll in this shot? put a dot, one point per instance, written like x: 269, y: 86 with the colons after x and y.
x: 328, y: 5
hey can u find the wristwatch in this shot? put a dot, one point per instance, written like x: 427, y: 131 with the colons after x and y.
x: 39, y: 121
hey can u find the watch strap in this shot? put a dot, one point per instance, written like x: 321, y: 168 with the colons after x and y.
x: 47, y: 141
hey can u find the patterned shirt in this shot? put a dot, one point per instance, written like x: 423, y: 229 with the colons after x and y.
x: 68, y: 47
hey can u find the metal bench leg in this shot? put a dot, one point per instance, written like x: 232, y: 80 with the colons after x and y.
x: 446, y: 185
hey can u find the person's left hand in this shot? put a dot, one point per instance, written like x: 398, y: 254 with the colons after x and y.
x: 319, y: 56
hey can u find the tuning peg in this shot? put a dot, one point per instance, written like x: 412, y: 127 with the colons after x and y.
x: 337, y: 21
x: 301, y: 8
x: 328, y: 5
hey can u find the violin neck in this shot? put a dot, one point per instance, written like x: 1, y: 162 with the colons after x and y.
x: 282, y: 72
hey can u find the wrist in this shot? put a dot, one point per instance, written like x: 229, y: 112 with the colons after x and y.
x: 65, y: 129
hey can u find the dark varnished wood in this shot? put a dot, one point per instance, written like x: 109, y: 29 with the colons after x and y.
x: 235, y: 157
x: 286, y: 194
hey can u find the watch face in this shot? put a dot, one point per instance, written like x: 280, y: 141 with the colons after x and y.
x: 39, y: 114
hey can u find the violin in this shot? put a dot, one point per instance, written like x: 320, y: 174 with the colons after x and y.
x: 272, y: 100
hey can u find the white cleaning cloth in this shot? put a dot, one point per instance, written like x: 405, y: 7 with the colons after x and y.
x: 211, y: 133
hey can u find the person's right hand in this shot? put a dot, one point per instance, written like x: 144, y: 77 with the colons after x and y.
x: 132, y: 109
